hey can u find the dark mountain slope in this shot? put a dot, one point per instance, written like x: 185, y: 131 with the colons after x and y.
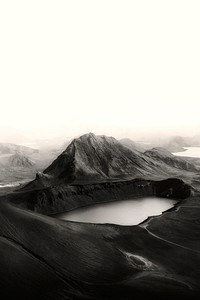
x: 46, y: 258
x: 97, y: 158
x: 91, y: 158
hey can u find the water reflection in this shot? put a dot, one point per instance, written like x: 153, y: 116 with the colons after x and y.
x: 126, y: 212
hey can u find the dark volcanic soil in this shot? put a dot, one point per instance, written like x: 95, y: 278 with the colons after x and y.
x: 46, y: 258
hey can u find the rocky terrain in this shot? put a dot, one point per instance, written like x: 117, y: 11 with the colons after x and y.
x: 92, y: 158
x: 20, y: 163
x: 62, y: 198
x: 46, y: 258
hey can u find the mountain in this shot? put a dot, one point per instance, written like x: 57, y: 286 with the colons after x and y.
x: 163, y: 155
x: 176, y: 144
x: 92, y: 158
x: 98, y: 158
x: 194, y: 141
x: 173, y: 144
x: 98, y: 161
x: 16, y: 168
x: 19, y: 161
x: 128, y: 143
x: 8, y: 148
x: 159, y: 152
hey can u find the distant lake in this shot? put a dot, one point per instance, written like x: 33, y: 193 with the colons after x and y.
x: 190, y: 151
x: 126, y: 212
x: 9, y: 185
x: 12, y: 184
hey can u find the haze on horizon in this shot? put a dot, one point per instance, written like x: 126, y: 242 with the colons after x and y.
x: 121, y: 68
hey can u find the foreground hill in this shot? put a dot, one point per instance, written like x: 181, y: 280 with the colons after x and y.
x: 46, y: 258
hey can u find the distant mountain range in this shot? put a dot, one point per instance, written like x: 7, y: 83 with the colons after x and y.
x: 8, y: 148
x: 21, y: 163
x: 177, y: 144
x: 94, y: 158
x: 172, y: 144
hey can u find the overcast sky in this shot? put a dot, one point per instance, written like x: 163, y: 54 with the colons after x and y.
x: 122, y: 68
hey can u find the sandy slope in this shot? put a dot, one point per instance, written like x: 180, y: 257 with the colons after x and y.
x: 66, y: 260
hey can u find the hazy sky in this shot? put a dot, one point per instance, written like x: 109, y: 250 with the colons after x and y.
x: 112, y: 67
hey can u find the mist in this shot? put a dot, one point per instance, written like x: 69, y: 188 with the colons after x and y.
x: 127, y: 69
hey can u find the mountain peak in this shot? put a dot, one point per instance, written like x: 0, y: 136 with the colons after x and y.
x: 97, y: 158
x: 93, y: 136
x: 93, y: 140
x: 20, y: 160
x: 88, y: 135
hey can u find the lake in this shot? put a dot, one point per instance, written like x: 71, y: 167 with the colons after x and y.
x: 12, y: 184
x: 126, y: 212
x: 9, y: 185
x: 190, y: 152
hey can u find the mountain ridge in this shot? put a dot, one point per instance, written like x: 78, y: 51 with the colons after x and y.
x: 90, y: 158
x: 100, y: 157
x: 162, y: 154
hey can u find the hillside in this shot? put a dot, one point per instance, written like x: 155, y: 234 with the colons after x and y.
x: 92, y: 261
x: 20, y: 163
x: 92, y: 158
x: 131, y: 145
x: 163, y: 155
x: 8, y: 148
x: 55, y: 259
